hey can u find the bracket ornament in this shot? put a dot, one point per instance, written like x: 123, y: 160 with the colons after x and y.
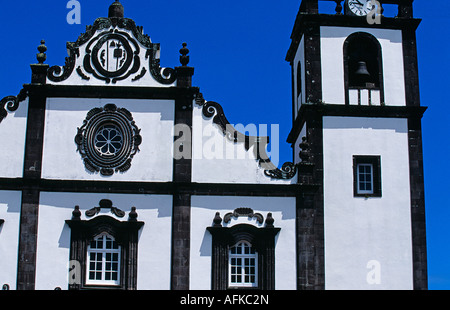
x: 11, y: 103
x: 105, y: 204
x: 215, y: 110
x: 242, y: 212
x: 287, y: 172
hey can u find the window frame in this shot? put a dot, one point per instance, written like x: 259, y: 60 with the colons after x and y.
x: 360, y: 182
x: 126, y: 235
x: 263, y: 241
x: 375, y: 163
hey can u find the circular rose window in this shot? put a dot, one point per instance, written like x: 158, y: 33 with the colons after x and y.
x: 108, y: 140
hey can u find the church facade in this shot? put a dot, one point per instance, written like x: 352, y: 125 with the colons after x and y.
x: 105, y: 183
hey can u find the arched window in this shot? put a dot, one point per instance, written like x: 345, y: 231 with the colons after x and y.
x: 363, y: 70
x: 299, y: 79
x: 103, y: 250
x: 243, y: 265
x: 103, y: 261
x: 243, y: 255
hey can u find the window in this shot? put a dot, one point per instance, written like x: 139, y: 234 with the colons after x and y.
x: 363, y: 70
x: 243, y: 271
x: 108, y: 140
x: 367, y: 176
x: 299, y: 79
x: 104, y: 248
x: 103, y: 261
x: 243, y: 256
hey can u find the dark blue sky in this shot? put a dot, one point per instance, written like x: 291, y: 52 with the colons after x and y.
x: 238, y: 49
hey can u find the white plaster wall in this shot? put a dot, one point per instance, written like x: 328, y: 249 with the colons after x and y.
x: 218, y: 160
x: 332, y: 44
x: 12, y: 139
x: 203, y: 211
x: 360, y: 230
x: 154, y: 247
x: 154, y: 161
x: 75, y: 78
x: 10, y: 204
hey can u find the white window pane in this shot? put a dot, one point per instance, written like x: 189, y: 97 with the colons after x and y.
x: 365, y: 178
x: 103, y: 261
x: 243, y: 262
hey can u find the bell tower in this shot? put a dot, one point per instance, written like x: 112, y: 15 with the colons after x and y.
x: 356, y: 105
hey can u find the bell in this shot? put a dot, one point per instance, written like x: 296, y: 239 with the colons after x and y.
x: 362, y: 69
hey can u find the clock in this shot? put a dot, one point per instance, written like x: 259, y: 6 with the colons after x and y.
x: 359, y: 7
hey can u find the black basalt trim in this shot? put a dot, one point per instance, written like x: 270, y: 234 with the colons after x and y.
x: 118, y: 92
x: 313, y: 64
x: 353, y: 111
x: 30, y: 192
x: 412, y: 90
x: 418, y: 218
x: 26, y: 268
x: 158, y: 188
x: 310, y: 227
x: 303, y: 20
x: 181, y: 212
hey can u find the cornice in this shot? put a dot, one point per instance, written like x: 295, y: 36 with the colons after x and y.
x: 305, y: 21
x: 307, y: 110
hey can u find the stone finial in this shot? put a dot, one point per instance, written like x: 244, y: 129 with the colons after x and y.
x: 269, y: 221
x: 41, y: 56
x: 305, y: 153
x: 76, y: 214
x: 132, y: 216
x: 116, y: 10
x: 184, y: 59
x: 217, y: 220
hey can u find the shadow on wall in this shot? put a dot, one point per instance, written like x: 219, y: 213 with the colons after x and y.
x: 365, y: 123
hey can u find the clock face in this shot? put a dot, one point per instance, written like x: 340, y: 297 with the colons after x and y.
x: 360, y: 7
